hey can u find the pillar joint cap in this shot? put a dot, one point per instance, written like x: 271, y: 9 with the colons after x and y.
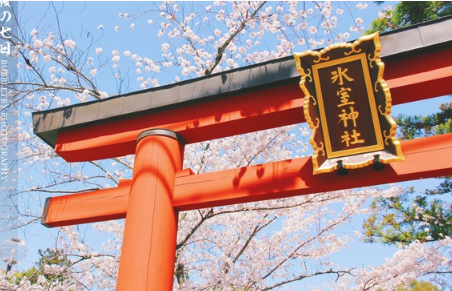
x: 163, y: 132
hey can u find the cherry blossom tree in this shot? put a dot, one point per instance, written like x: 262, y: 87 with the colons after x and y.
x: 270, y: 245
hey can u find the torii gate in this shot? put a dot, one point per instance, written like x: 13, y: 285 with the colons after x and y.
x: 155, y: 124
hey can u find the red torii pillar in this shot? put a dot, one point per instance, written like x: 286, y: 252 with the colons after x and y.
x: 151, y: 226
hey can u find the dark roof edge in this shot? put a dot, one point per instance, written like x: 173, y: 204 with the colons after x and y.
x: 434, y: 33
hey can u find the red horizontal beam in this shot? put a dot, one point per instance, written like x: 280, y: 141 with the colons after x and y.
x: 210, y: 120
x: 424, y: 158
x: 93, y: 206
x: 409, y: 79
x: 100, y: 205
x: 416, y: 78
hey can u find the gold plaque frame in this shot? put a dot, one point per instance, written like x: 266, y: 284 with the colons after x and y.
x: 380, y: 127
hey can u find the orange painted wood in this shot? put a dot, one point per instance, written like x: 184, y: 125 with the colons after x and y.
x: 210, y: 120
x: 93, y: 206
x: 421, y: 77
x: 409, y: 79
x: 149, y: 245
x: 99, y: 205
x: 424, y: 158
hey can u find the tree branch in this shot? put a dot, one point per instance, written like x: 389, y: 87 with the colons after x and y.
x: 223, y: 47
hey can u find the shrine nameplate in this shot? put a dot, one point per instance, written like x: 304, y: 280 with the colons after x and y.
x: 348, y: 106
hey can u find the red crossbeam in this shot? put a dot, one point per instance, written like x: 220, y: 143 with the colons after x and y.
x: 410, y: 79
x: 424, y: 158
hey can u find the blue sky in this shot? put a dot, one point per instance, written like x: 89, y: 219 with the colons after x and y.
x: 81, y: 21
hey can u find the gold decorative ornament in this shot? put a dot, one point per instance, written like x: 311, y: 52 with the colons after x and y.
x: 348, y: 106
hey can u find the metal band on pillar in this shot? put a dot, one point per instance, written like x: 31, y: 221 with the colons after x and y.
x: 164, y: 132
